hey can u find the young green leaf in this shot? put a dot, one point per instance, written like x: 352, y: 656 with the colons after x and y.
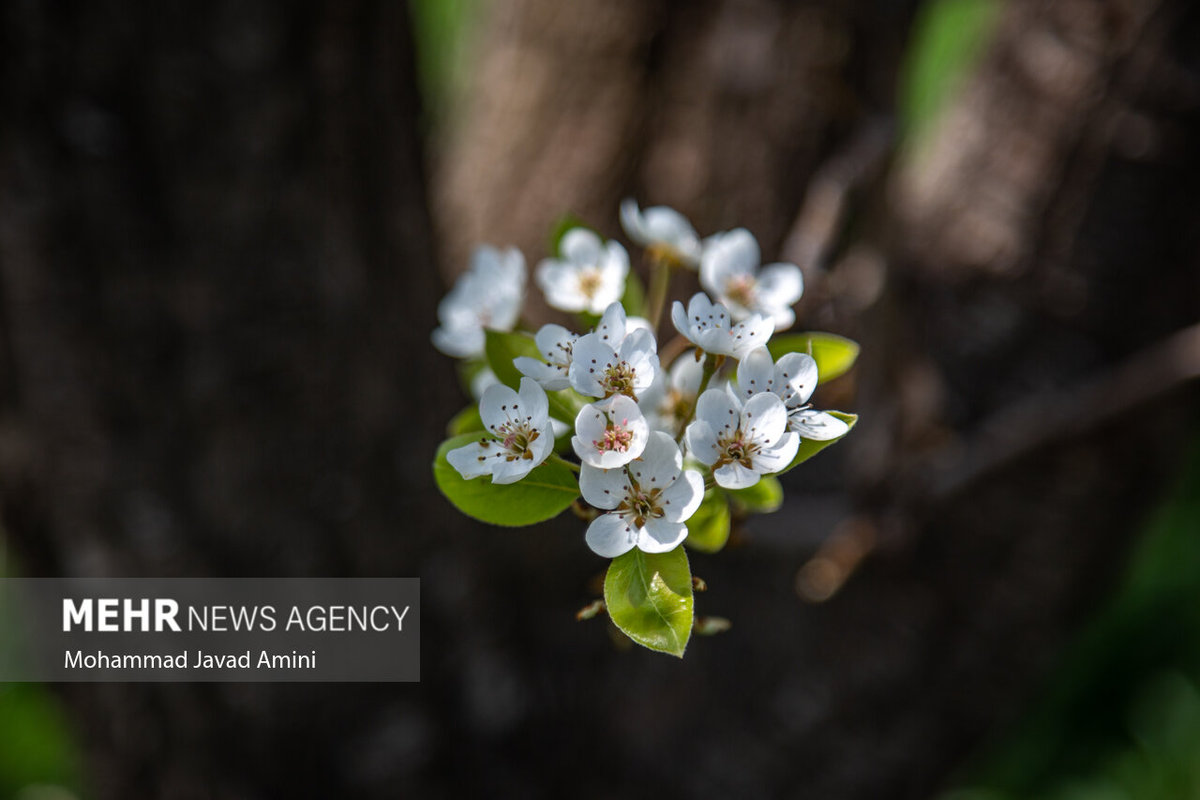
x: 764, y: 497
x: 649, y: 597
x: 501, y: 348
x: 708, y: 529
x: 465, y: 421
x: 810, y: 447
x: 834, y: 354
x: 544, y: 493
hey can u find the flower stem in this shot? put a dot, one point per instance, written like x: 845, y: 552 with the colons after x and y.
x: 556, y: 458
x: 660, y: 280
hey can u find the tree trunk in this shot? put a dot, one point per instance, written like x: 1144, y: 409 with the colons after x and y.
x: 218, y: 287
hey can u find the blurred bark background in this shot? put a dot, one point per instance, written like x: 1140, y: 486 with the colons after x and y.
x: 217, y: 279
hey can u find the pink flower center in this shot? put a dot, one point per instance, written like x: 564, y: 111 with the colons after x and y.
x: 616, y: 438
x: 518, y: 435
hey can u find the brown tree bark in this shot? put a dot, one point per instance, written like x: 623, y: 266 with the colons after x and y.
x: 217, y: 290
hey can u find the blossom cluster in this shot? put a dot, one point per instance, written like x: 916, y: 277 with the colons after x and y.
x: 648, y: 437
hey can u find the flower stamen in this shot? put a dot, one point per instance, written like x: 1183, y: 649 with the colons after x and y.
x: 617, y: 438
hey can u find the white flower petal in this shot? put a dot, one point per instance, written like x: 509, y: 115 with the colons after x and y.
x: 817, y: 425
x: 496, y: 405
x: 719, y: 410
x: 615, y: 261
x: 679, y: 318
x: 661, y: 535
x: 663, y: 227
x: 551, y: 378
x: 481, y: 381
x: 461, y: 342
x: 797, y: 375
x: 603, y: 488
x: 683, y: 497
x: 726, y: 256
x: 631, y: 221
x: 659, y: 464
x: 612, y: 326
x: 474, y: 459
x: 581, y: 246
x: 637, y: 323
x: 487, y: 295
x: 591, y: 358
x: 735, y: 476
x: 778, y: 457
x: 636, y: 341
x: 702, y: 442
x: 591, y: 425
x: 610, y: 536
x: 554, y: 342
x: 764, y: 418
x: 755, y: 373
x: 535, y: 404
x: 783, y: 317
x: 686, y: 374
x: 785, y: 282
x: 559, y: 281
x: 505, y: 471
x: 754, y: 332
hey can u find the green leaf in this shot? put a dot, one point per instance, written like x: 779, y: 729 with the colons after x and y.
x: 708, y: 529
x: 810, y: 447
x: 649, y: 597
x: 501, y: 348
x: 567, y: 403
x: 764, y: 497
x: 834, y: 354
x: 465, y: 421
x: 634, y: 298
x: 544, y: 493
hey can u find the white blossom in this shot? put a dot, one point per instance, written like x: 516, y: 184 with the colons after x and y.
x: 793, y: 378
x: 663, y: 231
x: 729, y: 268
x: 708, y: 326
x: 521, y: 438
x: 487, y: 295
x: 481, y: 380
x: 648, y: 501
x: 589, y: 276
x: 610, y: 433
x: 612, y: 360
x: 741, y: 442
x: 669, y: 401
x: 556, y: 344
